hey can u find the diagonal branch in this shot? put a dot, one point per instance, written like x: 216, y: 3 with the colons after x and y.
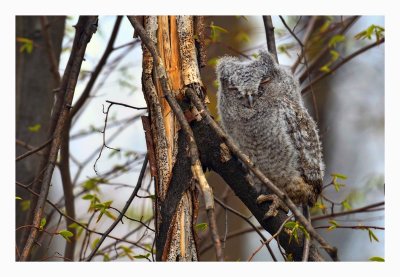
x: 37, y: 149
x: 122, y: 213
x: 332, y: 251
x: 85, y: 28
x: 342, y: 62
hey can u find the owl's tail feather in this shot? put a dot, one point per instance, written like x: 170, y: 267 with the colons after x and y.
x: 306, y: 244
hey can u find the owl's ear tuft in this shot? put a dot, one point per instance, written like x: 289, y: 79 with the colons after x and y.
x: 267, y: 58
x: 224, y: 65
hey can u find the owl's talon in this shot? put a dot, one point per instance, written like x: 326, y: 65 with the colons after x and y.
x: 274, y: 206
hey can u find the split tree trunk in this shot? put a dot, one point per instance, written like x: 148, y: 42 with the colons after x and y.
x: 176, y: 206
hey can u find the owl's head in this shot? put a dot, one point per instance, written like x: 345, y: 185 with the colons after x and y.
x: 248, y: 81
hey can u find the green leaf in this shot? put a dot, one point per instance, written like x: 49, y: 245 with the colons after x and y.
x: 303, y: 229
x: 66, y: 234
x: 376, y: 259
x: 110, y: 215
x: 338, y: 175
x: 18, y: 198
x: 35, y: 128
x: 106, y: 257
x: 78, y: 228
x: 25, y: 205
x: 42, y: 223
x: 333, y: 226
x: 376, y: 30
x: 142, y: 256
x: 213, y: 61
x: 242, y: 37
x: 326, y: 25
x: 346, y: 205
x: 372, y: 236
x: 201, y: 227
x: 334, y: 55
x: 335, y: 40
x: 94, y: 243
x: 216, y: 84
x: 216, y: 32
x: 337, y: 186
x: 290, y: 224
x: 92, y: 183
x: 293, y: 227
x: 218, y: 28
x: 127, y: 252
x: 325, y: 68
x: 88, y: 197
x: 27, y: 45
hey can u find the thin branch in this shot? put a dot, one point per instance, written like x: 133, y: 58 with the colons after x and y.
x: 104, y: 145
x: 194, y: 153
x: 313, y: 63
x: 121, y: 215
x: 332, y: 251
x: 77, y: 222
x: 269, y: 31
x: 369, y: 208
x: 267, y: 242
x: 248, y: 222
x: 357, y: 227
x: 306, y: 38
x: 306, y: 64
x: 50, y: 49
x: 107, y: 52
x: 125, y: 105
x: 84, y: 30
x: 37, y: 149
x: 342, y: 62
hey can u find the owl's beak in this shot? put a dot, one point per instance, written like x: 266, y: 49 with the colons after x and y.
x: 250, y: 100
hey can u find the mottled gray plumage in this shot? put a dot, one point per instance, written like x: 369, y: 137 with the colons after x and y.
x: 262, y: 110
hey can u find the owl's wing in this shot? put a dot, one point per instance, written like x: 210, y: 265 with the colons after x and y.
x: 304, y: 135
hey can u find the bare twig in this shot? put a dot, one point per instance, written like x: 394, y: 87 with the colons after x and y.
x: 50, y: 49
x: 77, y: 222
x: 125, y: 105
x: 248, y: 222
x: 121, y: 215
x: 369, y: 208
x: 357, y: 227
x: 266, y: 242
x: 306, y: 64
x: 307, y: 35
x: 269, y: 31
x: 339, y: 64
x: 104, y: 145
x: 37, y: 149
x: 107, y: 52
x: 85, y: 28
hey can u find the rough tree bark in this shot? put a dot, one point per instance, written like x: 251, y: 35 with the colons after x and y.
x: 175, y: 240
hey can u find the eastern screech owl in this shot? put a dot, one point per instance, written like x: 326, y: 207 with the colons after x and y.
x: 262, y: 110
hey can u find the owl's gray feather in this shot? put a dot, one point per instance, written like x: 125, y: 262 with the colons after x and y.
x: 262, y: 110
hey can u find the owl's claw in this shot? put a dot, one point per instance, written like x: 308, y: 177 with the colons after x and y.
x: 274, y: 206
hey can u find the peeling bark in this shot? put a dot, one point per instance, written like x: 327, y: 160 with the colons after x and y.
x: 174, y: 228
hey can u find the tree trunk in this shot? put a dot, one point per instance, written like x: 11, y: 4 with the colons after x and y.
x: 176, y: 201
x: 35, y: 83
